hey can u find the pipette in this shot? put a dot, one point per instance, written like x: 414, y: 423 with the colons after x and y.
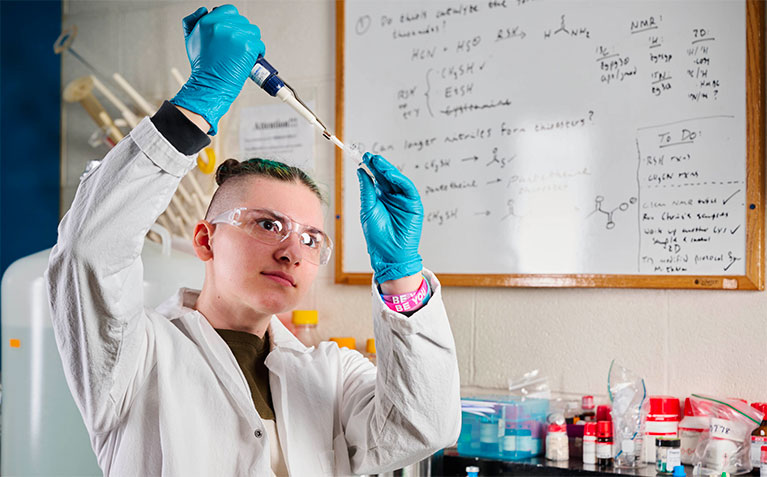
x: 265, y: 76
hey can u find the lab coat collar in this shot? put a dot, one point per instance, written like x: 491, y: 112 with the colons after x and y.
x: 183, y: 302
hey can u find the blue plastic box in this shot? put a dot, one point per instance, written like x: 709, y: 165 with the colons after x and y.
x: 503, y: 427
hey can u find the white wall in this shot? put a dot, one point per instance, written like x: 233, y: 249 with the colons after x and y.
x: 681, y: 341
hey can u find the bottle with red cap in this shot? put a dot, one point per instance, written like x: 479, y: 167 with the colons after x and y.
x: 604, y: 413
x: 759, y: 436
x: 557, y: 443
x: 590, y: 443
x: 587, y: 409
x: 691, y: 427
x: 604, y: 446
x: 662, y: 421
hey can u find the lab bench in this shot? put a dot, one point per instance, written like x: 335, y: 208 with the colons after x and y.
x: 451, y: 464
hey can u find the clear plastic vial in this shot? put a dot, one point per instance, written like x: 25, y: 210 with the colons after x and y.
x: 305, y: 322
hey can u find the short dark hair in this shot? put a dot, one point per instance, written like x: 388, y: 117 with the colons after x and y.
x: 232, y: 171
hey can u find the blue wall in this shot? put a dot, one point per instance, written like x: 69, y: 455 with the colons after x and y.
x: 30, y: 98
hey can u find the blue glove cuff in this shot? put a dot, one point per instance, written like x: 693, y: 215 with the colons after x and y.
x: 393, y: 271
x: 209, y: 103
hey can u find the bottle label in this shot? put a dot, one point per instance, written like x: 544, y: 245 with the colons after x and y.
x: 488, y: 432
x: 756, y: 449
x: 604, y: 450
x: 510, y: 443
x: 259, y: 74
x: 673, y: 459
x: 589, y: 452
x: 525, y: 444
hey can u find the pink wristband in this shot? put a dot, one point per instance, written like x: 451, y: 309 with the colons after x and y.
x: 409, y: 301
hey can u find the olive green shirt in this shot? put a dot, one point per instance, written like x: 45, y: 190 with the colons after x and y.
x: 250, y: 351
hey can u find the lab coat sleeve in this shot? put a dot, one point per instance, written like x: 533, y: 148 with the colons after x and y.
x: 95, y: 275
x: 410, y: 407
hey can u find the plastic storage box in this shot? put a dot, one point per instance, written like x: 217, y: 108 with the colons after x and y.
x: 502, y: 427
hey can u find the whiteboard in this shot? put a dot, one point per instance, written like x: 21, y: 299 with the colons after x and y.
x: 555, y: 137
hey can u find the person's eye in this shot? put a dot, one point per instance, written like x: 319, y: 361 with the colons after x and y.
x: 311, y: 240
x: 270, y: 225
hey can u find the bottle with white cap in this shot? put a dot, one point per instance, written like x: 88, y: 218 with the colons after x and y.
x: 588, y: 414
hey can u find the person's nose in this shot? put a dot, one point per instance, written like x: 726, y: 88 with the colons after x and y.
x: 289, y: 250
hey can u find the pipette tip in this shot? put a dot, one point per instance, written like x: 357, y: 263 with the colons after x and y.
x: 337, y: 142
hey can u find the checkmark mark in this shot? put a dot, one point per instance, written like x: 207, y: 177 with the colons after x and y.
x: 730, y: 197
x: 735, y: 229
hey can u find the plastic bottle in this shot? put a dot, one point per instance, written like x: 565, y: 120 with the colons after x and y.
x: 370, y: 350
x: 690, y: 429
x: 662, y: 421
x: 572, y: 414
x: 489, y: 434
x: 763, y: 467
x: 511, y: 423
x: 305, y: 322
x: 556, y: 443
x: 590, y: 443
x: 604, y: 443
x: 679, y: 471
x: 759, y: 436
x: 42, y: 429
x: 472, y: 471
x: 525, y: 442
x: 604, y: 413
x: 588, y: 414
x: 345, y: 342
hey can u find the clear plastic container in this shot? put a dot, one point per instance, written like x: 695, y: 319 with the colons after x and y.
x: 502, y: 427
x: 42, y: 430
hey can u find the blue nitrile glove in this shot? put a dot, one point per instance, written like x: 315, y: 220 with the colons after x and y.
x: 222, y: 47
x: 392, y: 217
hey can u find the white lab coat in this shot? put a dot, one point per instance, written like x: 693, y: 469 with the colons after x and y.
x: 161, y: 393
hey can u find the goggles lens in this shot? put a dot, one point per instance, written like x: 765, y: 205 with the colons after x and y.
x: 272, y: 227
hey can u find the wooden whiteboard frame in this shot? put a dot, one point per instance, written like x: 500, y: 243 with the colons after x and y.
x: 755, y: 190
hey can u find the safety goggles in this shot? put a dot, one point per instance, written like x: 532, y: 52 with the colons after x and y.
x: 272, y: 227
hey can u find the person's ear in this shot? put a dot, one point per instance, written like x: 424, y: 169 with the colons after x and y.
x: 201, y: 240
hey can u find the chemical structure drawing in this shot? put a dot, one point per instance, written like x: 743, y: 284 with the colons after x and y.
x: 622, y: 207
x: 510, y: 210
x: 573, y: 32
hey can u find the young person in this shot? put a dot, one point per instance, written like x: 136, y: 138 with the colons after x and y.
x: 211, y: 383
